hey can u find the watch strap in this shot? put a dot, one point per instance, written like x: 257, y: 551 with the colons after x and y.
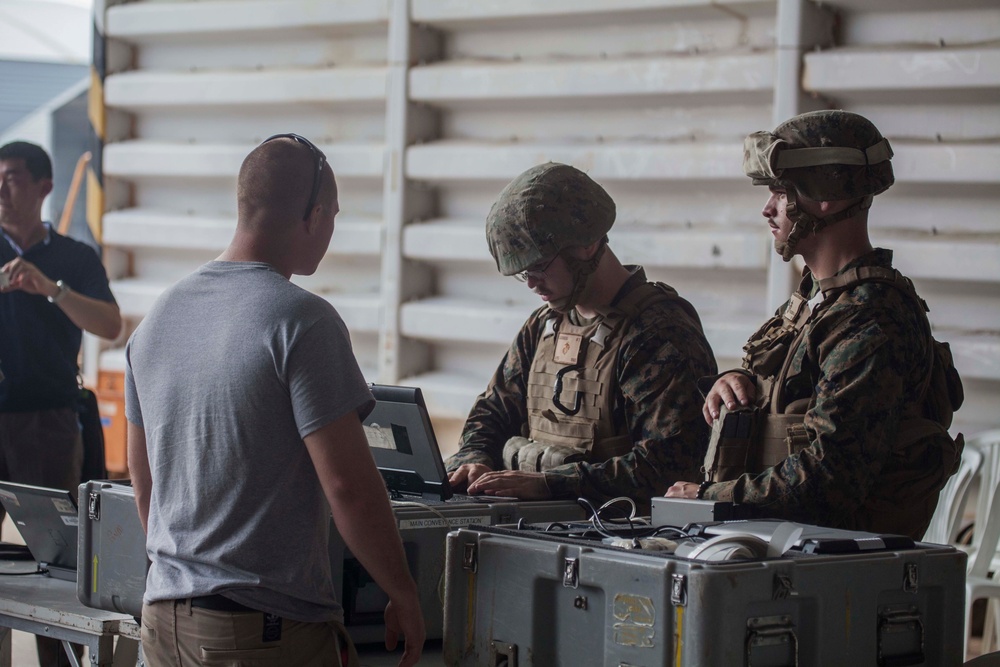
x: 61, y: 294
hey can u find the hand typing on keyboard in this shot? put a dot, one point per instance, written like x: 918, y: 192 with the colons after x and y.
x: 521, y: 485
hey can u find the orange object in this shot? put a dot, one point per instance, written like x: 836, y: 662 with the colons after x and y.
x: 111, y: 404
x: 74, y: 188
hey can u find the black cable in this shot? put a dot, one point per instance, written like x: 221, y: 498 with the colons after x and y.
x: 24, y: 574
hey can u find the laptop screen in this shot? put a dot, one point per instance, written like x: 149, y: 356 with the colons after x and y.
x: 47, y: 520
x: 403, y: 445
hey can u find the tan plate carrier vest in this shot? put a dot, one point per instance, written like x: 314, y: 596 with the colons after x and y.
x: 575, y: 367
x: 751, y: 440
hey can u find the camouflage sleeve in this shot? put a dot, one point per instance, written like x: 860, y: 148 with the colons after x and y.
x: 501, y: 412
x: 860, y: 395
x: 661, y: 359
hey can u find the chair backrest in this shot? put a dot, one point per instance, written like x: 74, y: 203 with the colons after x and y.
x: 987, y: 549
x: 947, y: 519
x: 987, y: 442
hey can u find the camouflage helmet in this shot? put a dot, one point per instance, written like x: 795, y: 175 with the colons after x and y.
x: 546, y: 209
x: 823, y: 155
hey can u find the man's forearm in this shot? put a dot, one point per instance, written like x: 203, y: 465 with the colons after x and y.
x: 368, y: 526
x: 101, y: 318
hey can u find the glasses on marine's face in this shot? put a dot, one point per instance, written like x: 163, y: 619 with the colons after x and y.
x: 535, y: 274
x: 320, y: 162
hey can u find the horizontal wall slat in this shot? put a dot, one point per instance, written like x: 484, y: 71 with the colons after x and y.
x: 141, y: 90
x: 184, y: 19
x: 451, y: 11
x: 139, y: 158
x: 461, y: 160
x: 977, y: 355
x: 928, y: 70
x: 448, y: 395
x: 136, y: 296
x: 946, y: 256
x: 946, y: 163
x: 144, y: 228
x: 745, y: 73
x: 703, y: 247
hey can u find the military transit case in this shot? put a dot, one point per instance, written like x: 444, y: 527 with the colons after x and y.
x: 111, y: 551
x: 112, y: 562
x: 423, y: 529
x: 750, y: 593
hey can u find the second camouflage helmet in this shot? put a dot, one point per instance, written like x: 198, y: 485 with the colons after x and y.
x: 824, y: 155
x: 546, y: 209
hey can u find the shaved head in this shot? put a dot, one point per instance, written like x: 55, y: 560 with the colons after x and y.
x: 275, y: 182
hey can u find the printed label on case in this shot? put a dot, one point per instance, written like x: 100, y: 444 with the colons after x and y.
x: 438, y: 522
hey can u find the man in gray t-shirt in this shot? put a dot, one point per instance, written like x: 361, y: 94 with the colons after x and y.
x: 244, y: 404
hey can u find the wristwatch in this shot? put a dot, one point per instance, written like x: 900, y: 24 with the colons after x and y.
x: 61, y: 294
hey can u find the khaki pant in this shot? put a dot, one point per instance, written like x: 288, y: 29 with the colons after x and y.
x: 175, y: 634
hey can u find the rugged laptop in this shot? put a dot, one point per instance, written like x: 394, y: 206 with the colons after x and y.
x: 47, y: 520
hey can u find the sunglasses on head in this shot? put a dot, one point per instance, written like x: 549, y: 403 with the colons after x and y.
x: 320, y: 160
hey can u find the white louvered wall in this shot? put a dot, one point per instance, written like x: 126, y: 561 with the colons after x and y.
x: 426, y: 108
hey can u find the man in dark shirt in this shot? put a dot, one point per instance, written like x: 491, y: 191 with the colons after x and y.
x: 52, y: 288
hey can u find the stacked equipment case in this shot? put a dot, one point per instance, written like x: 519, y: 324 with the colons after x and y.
x: 424, y: 528
x: 565, y: 595
x: 112, y: 562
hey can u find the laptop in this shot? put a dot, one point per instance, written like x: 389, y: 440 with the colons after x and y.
x: 47, y: 520
x: 405, y: 450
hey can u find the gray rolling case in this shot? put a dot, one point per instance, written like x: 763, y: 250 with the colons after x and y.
x: 111, y: 552
x: 528, y: 598
x: 423, y: 529
x: 112, y: 561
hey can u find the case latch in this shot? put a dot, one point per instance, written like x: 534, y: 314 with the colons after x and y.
x: 679, y: 590
x: 94, y: 506
x: 470, y: 560
x: 571, y: 573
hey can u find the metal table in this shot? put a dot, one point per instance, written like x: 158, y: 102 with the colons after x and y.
x: 49, y: 607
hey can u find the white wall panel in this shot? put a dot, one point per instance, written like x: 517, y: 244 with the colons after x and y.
x: 426, y: 108
x: 927, y: 74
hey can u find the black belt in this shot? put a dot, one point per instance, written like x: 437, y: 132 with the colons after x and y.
x: 217, y: 602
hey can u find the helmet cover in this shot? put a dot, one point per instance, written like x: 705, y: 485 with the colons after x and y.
x: 544, y: 210
x: 824, y: 155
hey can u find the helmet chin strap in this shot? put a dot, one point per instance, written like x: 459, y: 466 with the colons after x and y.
x: 583, y: 272
x: 804, y: 224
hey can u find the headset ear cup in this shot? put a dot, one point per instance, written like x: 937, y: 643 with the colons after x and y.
x: 728, y: 547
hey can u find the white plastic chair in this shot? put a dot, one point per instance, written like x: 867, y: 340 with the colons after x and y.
x: 984, y: 552
x: 947, y: 520
x: 978, y: 584
x: 988, y: 443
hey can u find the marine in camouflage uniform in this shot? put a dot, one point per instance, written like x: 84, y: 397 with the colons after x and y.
x: 637, y: 427
x: 845, y: 364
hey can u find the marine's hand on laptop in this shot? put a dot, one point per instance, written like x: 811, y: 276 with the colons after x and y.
x: 467, y: 473
x: 513, y: 483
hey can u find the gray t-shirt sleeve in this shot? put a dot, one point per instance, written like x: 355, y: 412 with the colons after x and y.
x: 324, y: 379
x: 133, y: 412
